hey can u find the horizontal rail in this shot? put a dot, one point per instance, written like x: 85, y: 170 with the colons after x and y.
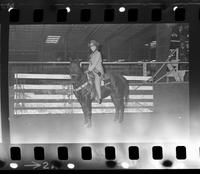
x: 64, y: 87
x: 66, y: 76
x: 59, y: 96
x: 78, y: 111
x: 109, y: 63
x: 68, y: 100
x: 62, y: 105
x: 79, y: 107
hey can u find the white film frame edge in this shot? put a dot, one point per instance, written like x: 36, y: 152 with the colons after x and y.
x: 153, y: 165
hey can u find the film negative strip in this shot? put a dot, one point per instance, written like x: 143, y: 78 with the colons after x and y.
x: 99, y: 85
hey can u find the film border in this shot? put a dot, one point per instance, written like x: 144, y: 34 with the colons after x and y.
x: 144, y: 16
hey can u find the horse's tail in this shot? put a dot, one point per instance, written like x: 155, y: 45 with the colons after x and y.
x: 126, y: 91
x: 126, y: 95
x: 123, y: 87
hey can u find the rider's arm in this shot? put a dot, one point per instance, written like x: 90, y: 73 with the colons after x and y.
x: 98, y: 59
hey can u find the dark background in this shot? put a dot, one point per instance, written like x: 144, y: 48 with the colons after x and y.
x: 192, y: 17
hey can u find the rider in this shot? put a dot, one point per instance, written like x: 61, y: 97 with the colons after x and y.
x: 95, y: 66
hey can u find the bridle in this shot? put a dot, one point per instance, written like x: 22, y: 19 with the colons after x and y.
x: 83, y: 85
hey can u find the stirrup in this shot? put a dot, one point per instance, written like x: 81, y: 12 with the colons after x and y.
x: 100, y: 100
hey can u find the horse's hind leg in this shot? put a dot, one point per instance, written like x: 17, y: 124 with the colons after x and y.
x: 121, y: 111
x: 115, y: 100
x: 116, y: 118
x: 121, y: 116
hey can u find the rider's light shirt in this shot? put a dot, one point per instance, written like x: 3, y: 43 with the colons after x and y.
x: 96, y: 62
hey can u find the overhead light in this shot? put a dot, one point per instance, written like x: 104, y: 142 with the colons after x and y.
x: 52, y: 39
x: 122, y: 9
x: 68, y: 9
x: 175, y: 8
x: 10, y: 7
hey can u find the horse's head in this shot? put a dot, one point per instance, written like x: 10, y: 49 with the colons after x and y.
x: 75, y: 69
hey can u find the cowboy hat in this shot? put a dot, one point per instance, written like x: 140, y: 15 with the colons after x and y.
x: 93, y: 42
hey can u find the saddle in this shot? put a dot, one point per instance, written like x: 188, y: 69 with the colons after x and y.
x: 106, y: 78
x: 105, y: 82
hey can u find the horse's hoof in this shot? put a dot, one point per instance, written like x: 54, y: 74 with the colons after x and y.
x: 89, y: 125
x: 120, y: 120
x: 100, y: 100
x: 116, y: 120
x: 86, y: 125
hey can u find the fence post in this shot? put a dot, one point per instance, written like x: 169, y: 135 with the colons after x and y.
x: 144, y: 69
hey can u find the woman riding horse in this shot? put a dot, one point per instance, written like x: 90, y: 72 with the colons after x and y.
x: 116, y: 86
x: 95, y: 66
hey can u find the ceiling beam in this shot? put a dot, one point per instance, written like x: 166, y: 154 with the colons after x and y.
x: 92, y: 33
x: 142, y: 33
x: 117, y: 32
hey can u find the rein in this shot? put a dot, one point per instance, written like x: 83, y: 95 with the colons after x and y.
x: 86, y: 83
x: 82, y: 86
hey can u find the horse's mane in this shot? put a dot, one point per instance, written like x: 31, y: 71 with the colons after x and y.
x: 82, y: 77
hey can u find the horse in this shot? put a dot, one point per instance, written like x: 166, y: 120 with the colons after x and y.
x: 117, y: 88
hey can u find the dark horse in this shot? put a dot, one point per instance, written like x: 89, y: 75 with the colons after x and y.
x: 117, y: 87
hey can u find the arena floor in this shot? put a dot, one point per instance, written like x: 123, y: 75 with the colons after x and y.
x: 169, y: 122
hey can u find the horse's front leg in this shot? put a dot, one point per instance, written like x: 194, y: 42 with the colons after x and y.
x: 116, y: 114
x: 88, y: 120
x: 87, y: 115
x: 85, y: 119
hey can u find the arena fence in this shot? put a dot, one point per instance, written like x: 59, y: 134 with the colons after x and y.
x: 38, y: 88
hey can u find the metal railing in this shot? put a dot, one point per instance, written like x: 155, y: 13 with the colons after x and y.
x: 145, y: 67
